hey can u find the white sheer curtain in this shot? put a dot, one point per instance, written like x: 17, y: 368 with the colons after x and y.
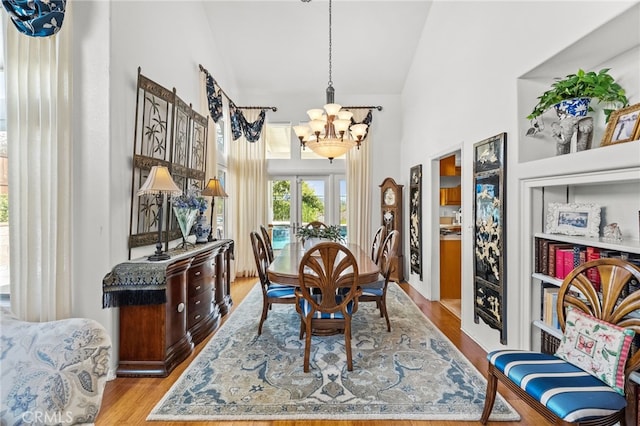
x: 248, y: 168
x: 38, y: 77
x: 359, y: 188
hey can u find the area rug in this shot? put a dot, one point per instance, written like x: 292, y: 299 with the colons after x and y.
x: 413, y: 372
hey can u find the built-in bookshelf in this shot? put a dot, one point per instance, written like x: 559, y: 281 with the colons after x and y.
x: 551, y: 268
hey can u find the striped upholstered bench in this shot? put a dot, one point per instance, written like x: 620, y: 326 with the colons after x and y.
x: 586, y: 380
x: 569, y: 392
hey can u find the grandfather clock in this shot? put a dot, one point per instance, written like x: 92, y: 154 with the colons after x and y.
x: 391, y: 210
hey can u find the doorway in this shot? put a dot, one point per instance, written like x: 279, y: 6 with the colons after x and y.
x: 296, y: 200
x: 450, y: 227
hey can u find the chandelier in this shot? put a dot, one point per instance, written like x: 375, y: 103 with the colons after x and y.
x: 330, y: 132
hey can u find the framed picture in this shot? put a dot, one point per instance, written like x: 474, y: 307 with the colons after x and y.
x: 415, y: 219
x: 623, y: 126
x: 489, y: 233
x: 573, y: 219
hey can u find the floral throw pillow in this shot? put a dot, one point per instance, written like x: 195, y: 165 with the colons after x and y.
x: 599, y: 348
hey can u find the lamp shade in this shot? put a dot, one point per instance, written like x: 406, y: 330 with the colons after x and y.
x: 331, y: 148
x: 159, y: 181
x: 214, y: 189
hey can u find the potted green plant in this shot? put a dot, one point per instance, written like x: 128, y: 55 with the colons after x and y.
x: 313, y: 235
x: 600, y: 85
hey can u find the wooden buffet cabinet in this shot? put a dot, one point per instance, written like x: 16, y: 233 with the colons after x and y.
x: 155, y: 338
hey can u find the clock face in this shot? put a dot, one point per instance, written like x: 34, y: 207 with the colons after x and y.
x: 389, y: 197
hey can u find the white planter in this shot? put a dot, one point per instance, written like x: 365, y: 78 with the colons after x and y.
x: 310, y: 242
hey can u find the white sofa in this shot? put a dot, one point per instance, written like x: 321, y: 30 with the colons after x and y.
x: 51, y: 372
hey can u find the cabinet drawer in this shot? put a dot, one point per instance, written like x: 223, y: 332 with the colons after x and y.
x: 196, y: 302
x: 198, y: 286
x: 199, y: 308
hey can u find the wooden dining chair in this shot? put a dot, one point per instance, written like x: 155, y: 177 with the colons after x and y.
x: 315, y: 224
x: 271, y: 292
x: 586, y: 381
x: 376, y: 245
x: 325, y: 271
x: 377, y: 292
x: 267, y: 242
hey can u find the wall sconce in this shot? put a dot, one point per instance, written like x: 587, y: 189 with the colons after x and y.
x: 213, y: 189
x: 159, y: 183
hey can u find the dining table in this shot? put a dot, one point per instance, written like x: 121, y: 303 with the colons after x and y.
x: 285, y: 266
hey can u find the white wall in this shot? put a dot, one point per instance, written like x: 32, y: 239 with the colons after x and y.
x: 461, y: 89
x: 113, y: 39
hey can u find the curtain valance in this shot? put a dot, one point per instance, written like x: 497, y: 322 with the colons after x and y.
x: 36, y: 18
x: 239, y: 124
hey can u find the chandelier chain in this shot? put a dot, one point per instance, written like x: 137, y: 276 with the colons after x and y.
x: 330, y: 46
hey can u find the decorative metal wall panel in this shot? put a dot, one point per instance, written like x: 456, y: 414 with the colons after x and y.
x: 415, y: 219
x: 489, y: 230
x: 167, y: 132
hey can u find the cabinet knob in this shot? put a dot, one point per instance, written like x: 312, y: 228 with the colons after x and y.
x: 197, y: 273
x: 198, y: 287
x: 196, y: 317
x: 197, y: 302
x: 180, y: 307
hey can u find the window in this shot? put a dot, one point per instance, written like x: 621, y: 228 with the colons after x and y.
x: 278, y: 140
x: 220, y: 212
x: 221, y: 140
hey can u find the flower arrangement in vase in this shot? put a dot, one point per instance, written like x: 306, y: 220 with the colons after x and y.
x: 186, y: 207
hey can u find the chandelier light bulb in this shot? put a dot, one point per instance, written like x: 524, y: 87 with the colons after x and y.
x: 345, y: 115
x: 332, y: 109
x: 341, y: 125
x: 317, y: 126
x: 315, y: 114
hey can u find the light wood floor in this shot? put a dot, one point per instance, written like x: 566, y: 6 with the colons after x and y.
x: 453, y: 305
x: 128, y: 401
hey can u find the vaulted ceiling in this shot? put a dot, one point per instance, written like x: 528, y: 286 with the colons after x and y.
x: 282, y: 47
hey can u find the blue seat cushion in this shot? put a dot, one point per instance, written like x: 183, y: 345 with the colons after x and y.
x: 367, y: 291
x: 569, y: 392
x: 280, y: 291
x: 305, y: 306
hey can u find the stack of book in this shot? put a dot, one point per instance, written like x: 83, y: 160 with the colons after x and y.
x: 549, y: 307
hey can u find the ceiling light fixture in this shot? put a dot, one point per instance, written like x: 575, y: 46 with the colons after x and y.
x: 330, y: 132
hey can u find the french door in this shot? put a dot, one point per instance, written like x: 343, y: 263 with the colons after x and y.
x: 297, y: 200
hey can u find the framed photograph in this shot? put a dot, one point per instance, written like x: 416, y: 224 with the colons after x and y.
x: 573, y: 219
x: 623, y: 126
x: 415, y: 219
x: 489, y: 233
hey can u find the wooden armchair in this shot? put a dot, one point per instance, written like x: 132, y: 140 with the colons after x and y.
x: 570, y: 393
x: 376, y: 245
x: 378, y: 291
x: 326, y: 272
x: 267, y: 243
x: 315, y: 224
x: 271, y: 292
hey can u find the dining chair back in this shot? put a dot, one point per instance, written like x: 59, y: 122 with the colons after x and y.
x: 377, y: 292
x: 267, y: 243
x: 315, y: 224
x: 586, y: 381
x: 376, y: 245
x: 271, y: 292
x: 327, y: 295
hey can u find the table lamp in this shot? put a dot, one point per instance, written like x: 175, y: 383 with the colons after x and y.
x: 159, y: 183
x: 213, y: 189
